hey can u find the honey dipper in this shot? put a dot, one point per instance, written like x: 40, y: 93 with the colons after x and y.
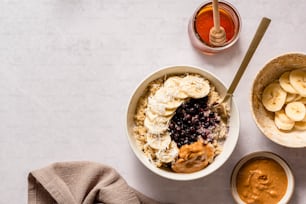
x: 217, y: 35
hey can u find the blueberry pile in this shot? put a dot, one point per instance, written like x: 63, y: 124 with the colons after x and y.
x: 193, y: 119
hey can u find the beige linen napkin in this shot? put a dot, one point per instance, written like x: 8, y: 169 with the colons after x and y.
x: 81, y: 183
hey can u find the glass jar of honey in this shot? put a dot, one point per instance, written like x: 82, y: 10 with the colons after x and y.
x: 202, y: 21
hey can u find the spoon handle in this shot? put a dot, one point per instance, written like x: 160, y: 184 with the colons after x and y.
x: 254, y: 44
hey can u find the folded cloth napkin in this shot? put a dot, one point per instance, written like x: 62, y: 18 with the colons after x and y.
x: 81, y: 183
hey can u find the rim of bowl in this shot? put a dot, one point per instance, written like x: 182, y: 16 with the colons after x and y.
x: 218, y: 161
x: 263, y: 154
x: 259, y: 73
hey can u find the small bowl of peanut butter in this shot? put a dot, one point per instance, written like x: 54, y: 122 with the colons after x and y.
x: 262, y: 177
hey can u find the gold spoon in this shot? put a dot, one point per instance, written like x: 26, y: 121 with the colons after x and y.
x: 252, y: 47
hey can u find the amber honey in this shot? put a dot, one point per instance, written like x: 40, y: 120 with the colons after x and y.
x: 204, y: 22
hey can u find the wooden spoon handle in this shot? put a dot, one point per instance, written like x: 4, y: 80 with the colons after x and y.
x: 216, y: 15
x: 252, y: 47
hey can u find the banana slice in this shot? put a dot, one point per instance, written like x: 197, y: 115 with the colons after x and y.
x: 173, y: 85
x: 155, y: 117
x: 166, y: 98
x: 161, y: 111
x: 164, y: 95
x: 160, y: 119
x: 155, y: 127
x: 273, y: 97
x: 169, y: 154
x: 161, y: 141
x: 282, y: 121
x: 296, y: 111
x: 174, y: 104
x: 298, y: 81
x: 285, y: 83
x: 195, y: 87
x: 173, y: 82
x: 291, y: 97
x: 300, y: 125
x: 180, y: 94
x: 159, y: 108
x: 150, y: 115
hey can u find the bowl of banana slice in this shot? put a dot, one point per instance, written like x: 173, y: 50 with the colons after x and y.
x: 278, y: 100
x: 174, y: 128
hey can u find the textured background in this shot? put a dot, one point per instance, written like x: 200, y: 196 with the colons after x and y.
x: 68, y: 68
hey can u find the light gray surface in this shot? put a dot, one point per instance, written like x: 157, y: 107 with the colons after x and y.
x: 68, y: 68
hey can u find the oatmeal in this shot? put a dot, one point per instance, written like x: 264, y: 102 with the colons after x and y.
x: 174, y: 115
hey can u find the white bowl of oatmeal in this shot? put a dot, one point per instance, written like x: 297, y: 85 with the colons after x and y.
x: 173, y: 128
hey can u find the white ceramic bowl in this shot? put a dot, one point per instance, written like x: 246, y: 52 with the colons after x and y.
x: 229, y: 144
x: 263, y: 154
x: 265, y: 119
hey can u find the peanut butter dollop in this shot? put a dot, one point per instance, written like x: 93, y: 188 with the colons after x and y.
x: 194, y: 157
